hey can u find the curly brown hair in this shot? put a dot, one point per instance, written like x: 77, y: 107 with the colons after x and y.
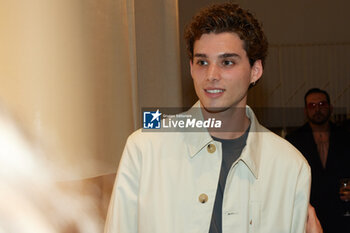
x: 229, y: 17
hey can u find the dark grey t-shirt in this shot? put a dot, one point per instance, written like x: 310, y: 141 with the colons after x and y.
x: 231, y: 150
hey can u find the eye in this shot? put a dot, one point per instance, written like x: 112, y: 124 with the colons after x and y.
x: 323, y: 104
x: 311, y: 105
x: 202, y: 62
x: 227, y: 63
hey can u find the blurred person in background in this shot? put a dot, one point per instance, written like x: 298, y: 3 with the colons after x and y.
x: 31, y: 199
x: 326, y: 148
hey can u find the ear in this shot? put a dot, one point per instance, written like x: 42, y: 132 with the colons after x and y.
x: 191, y: 66
x: 257, y: 71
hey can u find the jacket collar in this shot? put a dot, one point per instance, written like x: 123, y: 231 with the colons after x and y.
x: 250, y: 156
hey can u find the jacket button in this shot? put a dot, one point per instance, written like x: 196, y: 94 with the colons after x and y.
x: 203, y: 198
x: 211, y: 148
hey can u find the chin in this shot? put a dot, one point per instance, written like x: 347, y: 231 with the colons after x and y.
x: 215, y: 109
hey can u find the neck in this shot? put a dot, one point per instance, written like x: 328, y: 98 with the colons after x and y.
x: 234, y: 122
x: 320, y: 128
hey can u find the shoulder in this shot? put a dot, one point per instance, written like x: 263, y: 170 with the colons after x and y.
x: 281, y: 163
x: 274, y: 150
x: 282, y: 151
x: 339, y: 131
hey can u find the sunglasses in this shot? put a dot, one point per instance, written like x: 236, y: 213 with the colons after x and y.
x: 321, y: 104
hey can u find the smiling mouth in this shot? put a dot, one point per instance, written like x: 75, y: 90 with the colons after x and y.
x: 214, y: 91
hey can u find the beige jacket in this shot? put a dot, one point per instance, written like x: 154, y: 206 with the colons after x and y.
x: 166, y: 183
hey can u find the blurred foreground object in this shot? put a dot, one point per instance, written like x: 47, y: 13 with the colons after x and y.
x: 31, y: 200
x: 63, y: 67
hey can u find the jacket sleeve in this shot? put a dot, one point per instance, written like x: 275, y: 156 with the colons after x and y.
x: 123, y: 207
x: 301, y: 201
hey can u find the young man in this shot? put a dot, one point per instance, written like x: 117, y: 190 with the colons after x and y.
x: 240, y: 179
x: 326, y: 148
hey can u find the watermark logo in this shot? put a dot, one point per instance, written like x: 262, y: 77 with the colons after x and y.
x: 192, y: 123
x: 151, y: 120
x: 168, y: 121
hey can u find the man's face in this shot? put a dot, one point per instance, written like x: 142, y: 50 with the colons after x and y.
x: 221, y: 71
x: 317, y: 108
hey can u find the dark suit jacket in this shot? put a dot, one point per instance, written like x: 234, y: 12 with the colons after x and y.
x: 325, y: 181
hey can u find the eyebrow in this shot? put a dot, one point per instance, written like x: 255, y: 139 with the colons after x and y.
x: 225, y: 55
x: 200, y: 55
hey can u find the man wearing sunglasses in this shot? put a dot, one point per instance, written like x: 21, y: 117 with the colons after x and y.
x: 324, y: 146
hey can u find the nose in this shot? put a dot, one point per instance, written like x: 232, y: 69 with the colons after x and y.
x: 213, y: 73
x: 317, y: 107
